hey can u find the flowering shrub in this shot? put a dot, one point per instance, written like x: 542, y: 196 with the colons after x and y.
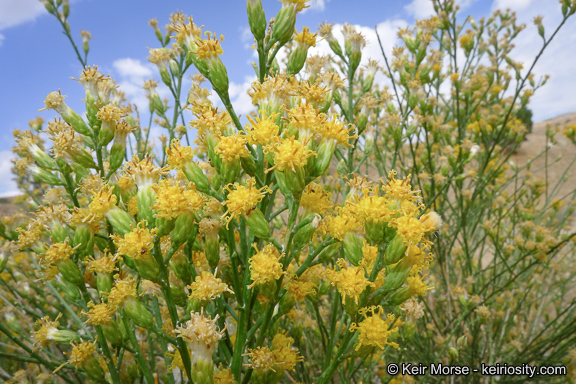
x: 257, y: 253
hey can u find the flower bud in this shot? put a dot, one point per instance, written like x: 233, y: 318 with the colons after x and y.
x: 396, y: 276
x: 258, y: 224
x: 146, y: 199
x: 120, y: 220
x: 195, y: 174
x: 352, y: 246
x: 70, y: 272
x: 256, y: 18
x: 139, y: 314
x: 395, y: 251
x: 184, y: 228
x: 328, y: 253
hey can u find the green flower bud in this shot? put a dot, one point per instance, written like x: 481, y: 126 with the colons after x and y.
x: 352, y: 246
x: 396, y: 276
x: 256, y: 18
x: 297, y: 59
x: 120, y: 220
x: 139, y: 314
x: 395, y: 251
x: 104, y: 282
x: 195, y: 174
x: 258, y: 224
x: 70, y: 272
x: 146, y: 200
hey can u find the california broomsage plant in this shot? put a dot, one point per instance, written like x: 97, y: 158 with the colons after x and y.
x: 256, y: 252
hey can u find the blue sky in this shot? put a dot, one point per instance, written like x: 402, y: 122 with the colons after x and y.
x: 36, y: 58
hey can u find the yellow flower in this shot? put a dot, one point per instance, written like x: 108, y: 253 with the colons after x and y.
x: 102, y: 202
x: 373, y: 331
x: 339, y: 225
x: 144, y: 172
x: 224, y: 376
x: 349, y: 280
x: 110, y: 113
x: 410, y: 229
x: 232, y: 148
x: 241, y: 200
x: 335, y: 129
x: 398, y: 189
x: 299, y: 289
x: 265, y: 265
x: 173, y: 199
x: 104, y: 264
x: 373, y: 208
x: 305, y: 119
x: 206, y: 287
x: 57, y: 253
x: 45, y: 333
x: 211, y: 121
x: 210, y: 47
x: 289, y: 154
x: 316, y: 199
x: 272, y: 93
x: 262, y: 131
x: 99, y: 314
x: 136, y: 244
x: 417, y: 286
x: 261, y: 359
x: 123, y: 290
x: 306, y: 38
x: 176, y: 361
x: 284, y: 355
x: 178, y: 156
x: 202, y: 334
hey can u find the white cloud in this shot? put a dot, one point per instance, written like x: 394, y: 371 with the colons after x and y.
x: 239, y: 97
x: 14, y: 12
x: 131, y: 76
x: 316, y: 5
x: 2, y: 37
x: 424, y: 9
x: 132, y: 68
x: 515, y: 5
x: 420, y: 9
x: 8, y: 186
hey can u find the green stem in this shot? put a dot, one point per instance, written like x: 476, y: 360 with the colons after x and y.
x: 137, y: 351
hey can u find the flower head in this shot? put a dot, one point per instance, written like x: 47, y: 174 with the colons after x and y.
x: 206, y: 287
x: 289, y: 154
x: 144, y: 172
x: 173, y: 199
x: 373, y: 331
x: 265, y: 265
x: 123, y: 290
x: 350, y: 280
x: 57, y: 253
x: 178, y: 156
x: 232, y: 148
x: 316, y: 199
x: 99, y: 314
x: 210, y: 47
x: 241, y: 200
x: 102, y: 202
x: 136, y: 244
x: 262, y: 131
x: 202, y: 334
x: 306, y: 38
